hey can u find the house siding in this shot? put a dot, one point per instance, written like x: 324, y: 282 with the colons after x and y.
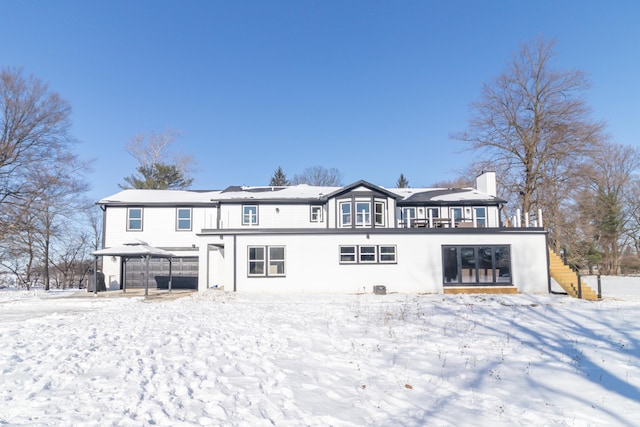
x: 313, y: 266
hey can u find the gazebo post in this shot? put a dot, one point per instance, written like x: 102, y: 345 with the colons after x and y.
x: 124, y: 274
x: 170, y: 272
x: 146, y: 275
x: 95, y: 275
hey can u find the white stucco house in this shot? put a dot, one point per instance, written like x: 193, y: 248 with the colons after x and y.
x: 356, y: 238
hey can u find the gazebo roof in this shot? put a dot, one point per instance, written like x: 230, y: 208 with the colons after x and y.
x: 135, y: 248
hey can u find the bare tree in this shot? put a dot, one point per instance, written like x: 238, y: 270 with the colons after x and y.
x: 530, y: 121
x: 157, y: 168
x: 34, y: 125
x: 606, y: 182
x: 320, y: 176
x: 54, y: 198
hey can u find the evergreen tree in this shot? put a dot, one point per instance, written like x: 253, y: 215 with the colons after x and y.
x: 279, y: 179
x: 402, y: 182
x: 157, y: 168
x: 157, y: 176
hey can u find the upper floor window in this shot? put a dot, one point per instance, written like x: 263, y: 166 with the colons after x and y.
x: 345, y: 214
x: 316, y: 213
x: 408, y: 216
x: 457, y: 214
x: 183, y: 219
x: 379, y: 213
x: 363, y: 213
x: 481, y: 216
x: 249, y: 215
x: 134, y: 219
x: 433, y: 213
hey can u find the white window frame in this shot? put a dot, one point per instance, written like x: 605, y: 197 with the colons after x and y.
x: 130, y: 218
x: 348, y: 254
x: 248, y: 217
x: 480, y: 220
x: 435, y: 212
x: 274, y: 261
x: 408, y: 216
x: 315, y: 213
x: 345, y: 215
x: 390, y: 256
x: 369, y: 251
x: 268, y: 261
x: 453, y: 213
x: 379, y: 216
x: 180, y: 219
x: 257, y: 261
x: 363, y: 219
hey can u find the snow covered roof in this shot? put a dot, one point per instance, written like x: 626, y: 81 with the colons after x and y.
x: 293, y: 193
x: 137, y: 248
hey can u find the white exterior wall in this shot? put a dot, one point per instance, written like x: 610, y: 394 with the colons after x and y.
x: 158, y: 229
x: 312, y: 262
x: 271, y: 216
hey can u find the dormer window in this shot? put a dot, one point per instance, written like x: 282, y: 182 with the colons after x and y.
x: 363, y: 214
x: 379, y: 213
x: 345, y: 214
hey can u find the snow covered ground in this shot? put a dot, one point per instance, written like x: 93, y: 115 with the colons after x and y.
x: 228, y: 359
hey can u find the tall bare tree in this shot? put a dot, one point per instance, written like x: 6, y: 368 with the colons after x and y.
x: 34, y: 125
x: 606, y: 182
x: 530, y: 121
x: 320, y: 176
x: 157, y: 168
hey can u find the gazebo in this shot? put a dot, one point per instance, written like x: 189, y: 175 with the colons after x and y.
x: 134, y: 249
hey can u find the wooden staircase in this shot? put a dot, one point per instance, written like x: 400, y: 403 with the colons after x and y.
x: 568, y: 279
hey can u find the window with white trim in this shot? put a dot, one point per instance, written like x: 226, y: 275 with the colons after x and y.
x: 457, y: 214
x: 408, y: 216
x: 434, y: 212
x: 134, y: 219
x: 345, y: 214
x: 481, y: 216
x: 183, y: 219
x: 379, y: 213
x: 347, y: 254
x: 387, y: 254
x: 368, y: 254
x: 363, y: 214
x: 249, y: 214
x: 266, y: 261
x: 316, y: 213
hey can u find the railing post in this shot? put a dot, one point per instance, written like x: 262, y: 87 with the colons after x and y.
x: 579, y: 287
x: 599, y: 288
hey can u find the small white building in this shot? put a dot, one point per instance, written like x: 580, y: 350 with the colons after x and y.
x: 349, y: 239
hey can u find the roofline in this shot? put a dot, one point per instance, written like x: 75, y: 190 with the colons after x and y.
x: 362, y: 183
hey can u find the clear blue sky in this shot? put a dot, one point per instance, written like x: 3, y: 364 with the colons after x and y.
x: 372, y: 88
